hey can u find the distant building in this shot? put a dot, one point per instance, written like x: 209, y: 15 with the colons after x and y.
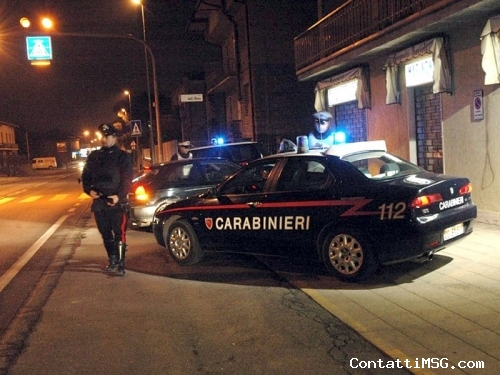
x: 252, y: 92
x: 8, y: 147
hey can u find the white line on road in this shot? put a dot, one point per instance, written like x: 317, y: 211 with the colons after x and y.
x: 21, y: 262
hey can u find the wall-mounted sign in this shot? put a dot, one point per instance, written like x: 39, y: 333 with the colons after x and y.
x: 343, y: 93
x: 419, y: 72
x: 477, y: 105
x: 39, y: 48
x: 191, y: 98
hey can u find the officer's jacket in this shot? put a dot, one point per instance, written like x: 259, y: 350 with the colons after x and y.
x: 108, y: 171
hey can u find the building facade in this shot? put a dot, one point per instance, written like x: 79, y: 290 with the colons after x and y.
x: 421, y: 74
x: 252, y: 92
x: 9, y: 149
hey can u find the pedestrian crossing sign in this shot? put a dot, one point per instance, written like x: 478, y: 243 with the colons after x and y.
x: 136, y: 127
x: 39, y: 48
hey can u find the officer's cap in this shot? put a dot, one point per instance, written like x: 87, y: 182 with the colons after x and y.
x: 185, y: 144
x: 107, y: 129
x: 323, y: 115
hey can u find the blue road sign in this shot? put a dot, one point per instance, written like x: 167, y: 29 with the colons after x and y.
x: 136, y: 126
x: 39, y: 47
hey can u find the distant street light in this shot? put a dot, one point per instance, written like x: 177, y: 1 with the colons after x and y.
x: 45, y: 22
x: 126, y: 92
x: 159, y: 157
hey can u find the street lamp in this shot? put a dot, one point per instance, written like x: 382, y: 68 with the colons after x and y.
x: 126, y: 92
x: 158, y: 128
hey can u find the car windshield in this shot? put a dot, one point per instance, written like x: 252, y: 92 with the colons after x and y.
x: 380, y: 165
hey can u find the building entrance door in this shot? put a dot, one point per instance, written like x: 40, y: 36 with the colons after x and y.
x: 428, y: 122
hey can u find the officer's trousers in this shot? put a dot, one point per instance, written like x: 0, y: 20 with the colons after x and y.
x: 112, y: 224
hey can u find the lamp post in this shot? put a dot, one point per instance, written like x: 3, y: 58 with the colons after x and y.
x: 154, y: 156
x: 126, y: 92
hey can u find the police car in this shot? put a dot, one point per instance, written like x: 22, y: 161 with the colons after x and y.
x: 354, y: 207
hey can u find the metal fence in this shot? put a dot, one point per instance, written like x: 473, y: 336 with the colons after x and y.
x: 354, y: 21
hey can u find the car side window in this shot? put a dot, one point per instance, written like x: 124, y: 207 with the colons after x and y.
x: 250, y: 180
x: 301, y: 174
x: 216, y: 172
x: 181, y: 175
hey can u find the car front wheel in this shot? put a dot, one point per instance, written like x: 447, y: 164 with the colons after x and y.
x: 182, y: 243
x: 348, y: 256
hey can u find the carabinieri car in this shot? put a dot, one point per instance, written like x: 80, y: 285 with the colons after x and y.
x: 354, y: 207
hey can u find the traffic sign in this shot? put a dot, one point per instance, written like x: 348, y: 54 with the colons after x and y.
x: 136, y: 126
x: 39, y: 47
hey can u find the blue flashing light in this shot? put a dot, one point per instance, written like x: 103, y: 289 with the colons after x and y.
x: 217, y: 141
x: 339, y: 137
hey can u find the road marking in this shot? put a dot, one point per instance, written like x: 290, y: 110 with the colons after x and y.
x: 31, y: 199
x: 58, y: 197
x: 5, y: 200
x: 84, y: 196
x: 6, y: 278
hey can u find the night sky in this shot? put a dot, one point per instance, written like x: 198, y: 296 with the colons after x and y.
x: 87, y: 76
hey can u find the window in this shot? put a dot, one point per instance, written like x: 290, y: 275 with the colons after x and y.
x: 300, y: 174
x: 250, y: 180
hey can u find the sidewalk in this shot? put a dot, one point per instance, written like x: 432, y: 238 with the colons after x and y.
x: 447, y: 310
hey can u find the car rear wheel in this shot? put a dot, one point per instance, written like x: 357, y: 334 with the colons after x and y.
x: 182, y: 243
x: 348, y: 256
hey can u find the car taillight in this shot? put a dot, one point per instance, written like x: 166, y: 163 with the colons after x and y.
x: 425, y: 200
x: 465, y: 189
x: 141, y: 194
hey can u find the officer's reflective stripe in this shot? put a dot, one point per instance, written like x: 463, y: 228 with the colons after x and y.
x: 5, y: 200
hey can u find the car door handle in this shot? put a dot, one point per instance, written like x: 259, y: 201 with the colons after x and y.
x: 253, y: 204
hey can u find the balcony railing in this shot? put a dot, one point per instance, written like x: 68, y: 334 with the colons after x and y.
x: 218, y: 72
x: 9, y: 147
x: 352, y: 22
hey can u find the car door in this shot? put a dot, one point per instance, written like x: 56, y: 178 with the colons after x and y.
x: 274, y: 206
x: 236, y: 223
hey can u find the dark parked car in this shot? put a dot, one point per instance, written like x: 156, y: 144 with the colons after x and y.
x: 166, y: 183
x: 354, y: 207
x: 241, y: 152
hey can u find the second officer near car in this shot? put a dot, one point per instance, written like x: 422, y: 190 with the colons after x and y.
x: 107, y: 177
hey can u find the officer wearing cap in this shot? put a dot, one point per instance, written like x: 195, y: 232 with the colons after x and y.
x: 323, y: 134
x: 107, y: 177
x: 182, y: 151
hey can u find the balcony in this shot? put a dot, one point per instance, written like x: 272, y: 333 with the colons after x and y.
x: 9, y: 147
x: 221, y: 77
x: 365, y: 26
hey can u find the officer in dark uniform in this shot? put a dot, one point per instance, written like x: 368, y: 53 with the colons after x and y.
x: 107, y: 177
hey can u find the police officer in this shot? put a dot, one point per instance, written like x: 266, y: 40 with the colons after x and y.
x: 323, y: 135
x: 107, y: 177
x: 182, y: 151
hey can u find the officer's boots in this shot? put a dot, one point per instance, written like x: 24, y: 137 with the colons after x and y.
x: 122, y: 248
x: 112, y: 256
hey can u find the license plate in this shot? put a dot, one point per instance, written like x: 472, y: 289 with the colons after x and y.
x: 453, y: 231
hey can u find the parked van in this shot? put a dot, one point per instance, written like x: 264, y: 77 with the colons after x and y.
x: 44, y: 163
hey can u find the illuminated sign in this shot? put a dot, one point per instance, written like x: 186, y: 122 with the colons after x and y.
x: 419, y: 72
x: 191, y: 98
x: 39, y: 48
x: 343, y: 93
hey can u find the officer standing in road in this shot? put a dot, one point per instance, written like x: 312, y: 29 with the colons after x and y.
x: 323, y: 135
x: 182, y: 151
x: 107, y: 177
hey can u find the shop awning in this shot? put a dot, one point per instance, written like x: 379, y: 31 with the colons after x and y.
x: 362, y: 92
x: 490, y: 49
x: 442, y: 76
